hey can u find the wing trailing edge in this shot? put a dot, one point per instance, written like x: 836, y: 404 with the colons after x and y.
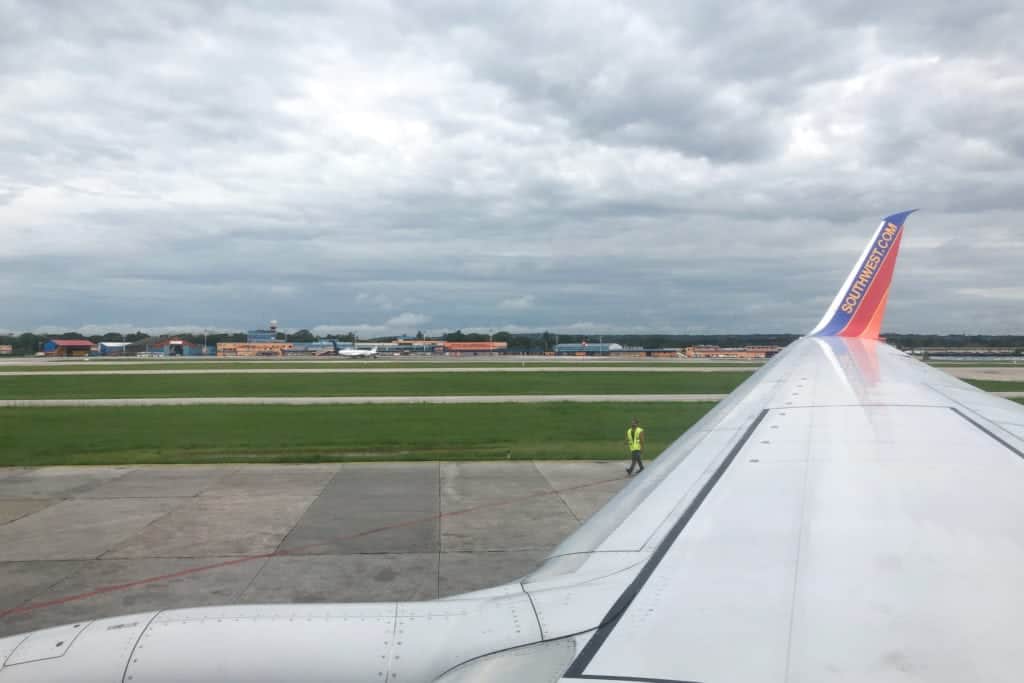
x: 859, y: 306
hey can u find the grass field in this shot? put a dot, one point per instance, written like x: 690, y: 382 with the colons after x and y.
x: 996, y: 385
x: 194, y: 434
x: 366, y: 384
x: 975, y: 364
x: 198, y: 434
x: 107, y: 366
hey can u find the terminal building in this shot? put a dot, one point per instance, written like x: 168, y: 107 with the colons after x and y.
x: 269, y: 343
x: 243, y: 349
x: 731, y: 352
x: 587, y: 349
x: 612, y: 349
x: 442, y: 347
x: 257, y: 343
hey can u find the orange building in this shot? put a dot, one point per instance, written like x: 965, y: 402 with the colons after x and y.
x: 472, y: 347
x: 68, y: 347
x: 249, y: 349
x: 731, y: 352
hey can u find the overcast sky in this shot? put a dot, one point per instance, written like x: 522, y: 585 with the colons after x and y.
x: 591, y: 167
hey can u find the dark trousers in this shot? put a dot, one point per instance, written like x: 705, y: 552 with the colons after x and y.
x: 636, y: 460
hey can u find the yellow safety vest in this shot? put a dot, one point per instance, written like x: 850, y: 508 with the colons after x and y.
x: 633, y: 437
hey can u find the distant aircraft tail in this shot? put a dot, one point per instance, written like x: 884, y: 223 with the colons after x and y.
x: 335, y: 345
x: 859, y: 306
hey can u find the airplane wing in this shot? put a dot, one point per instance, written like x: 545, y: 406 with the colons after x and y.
x: 847, y: 514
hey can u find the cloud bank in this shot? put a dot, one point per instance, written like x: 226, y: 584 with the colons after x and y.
x: 361, y: 166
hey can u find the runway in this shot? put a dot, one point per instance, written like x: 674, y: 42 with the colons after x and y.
x: 378, y: 400
x: 86, y: 542
x: 1005, y: 373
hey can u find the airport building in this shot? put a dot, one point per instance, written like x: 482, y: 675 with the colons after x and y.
x: 612, y: 349
x: 113, y: 348
x: 474, y: 348
x: 170, y: 346
x: 405, y: 347
x: 268, y: 336
x: 588, y: 349
x: 257, y: 343
x: 731, y: 352
x: 66, y: 348
x: 249, y: 349
x: 409, y: 346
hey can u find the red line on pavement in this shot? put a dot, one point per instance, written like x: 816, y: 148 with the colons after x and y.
x: 32, y: 607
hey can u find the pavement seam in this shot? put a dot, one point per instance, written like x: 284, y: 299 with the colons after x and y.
x: 277, y: 552
x: 108, y: 481
x: 440, y: 522
x: 239, y: 560
x: 142, y: 530
x: 28, y: 514
x: 241, y: 594
x: 51, y: 586
x: 278, y: 549
x: 555, y: 491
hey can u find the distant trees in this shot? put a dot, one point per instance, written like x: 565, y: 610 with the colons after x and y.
x: 25, y: 344
x: 304, y: 336
x: 906, y: 341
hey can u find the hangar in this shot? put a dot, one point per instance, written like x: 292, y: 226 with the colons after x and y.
x: 68, y: 347
x: 175, y: 347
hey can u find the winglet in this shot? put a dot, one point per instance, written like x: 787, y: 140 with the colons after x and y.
x: 859, y: 305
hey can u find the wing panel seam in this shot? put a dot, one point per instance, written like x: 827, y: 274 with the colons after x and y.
x: 135, y: 645
x: 1010, y: 447
x: 611, y: 619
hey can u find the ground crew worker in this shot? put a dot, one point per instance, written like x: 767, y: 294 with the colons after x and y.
x: 635, y: 444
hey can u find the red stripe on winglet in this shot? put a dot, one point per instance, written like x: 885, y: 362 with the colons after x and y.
x: 875, y: 299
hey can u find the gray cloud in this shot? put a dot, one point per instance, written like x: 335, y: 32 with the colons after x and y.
x: 380, y: 168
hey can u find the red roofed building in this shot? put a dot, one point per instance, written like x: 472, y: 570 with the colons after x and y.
x: 474, y: 347
x: 68, y: 347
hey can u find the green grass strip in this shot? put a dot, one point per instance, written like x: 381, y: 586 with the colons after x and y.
x: 216, y: 434
x: 108, y: 366
x: 367, y: 384
x: 996, y: 385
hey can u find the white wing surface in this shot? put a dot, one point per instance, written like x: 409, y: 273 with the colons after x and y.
x: 847, y: 514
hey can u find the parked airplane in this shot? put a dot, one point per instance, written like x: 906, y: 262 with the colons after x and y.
x: 847, y: 514
x: 354, y: 352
